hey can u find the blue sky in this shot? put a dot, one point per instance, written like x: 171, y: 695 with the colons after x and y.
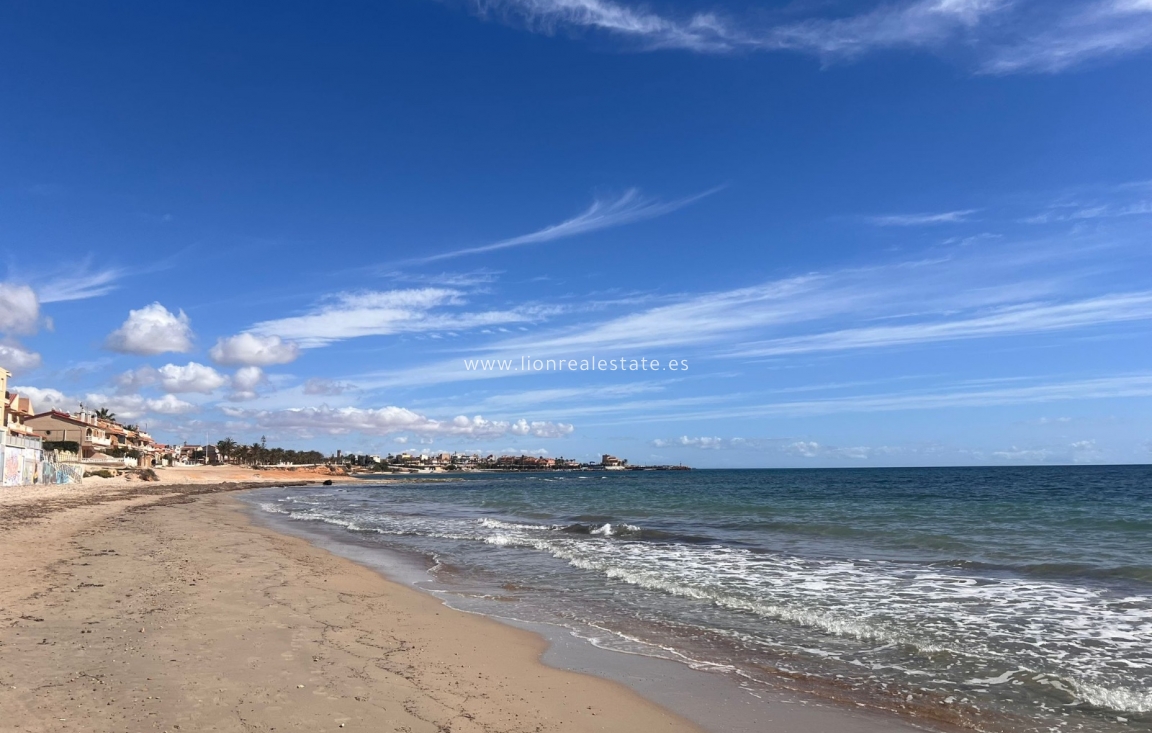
x: 898, y: 233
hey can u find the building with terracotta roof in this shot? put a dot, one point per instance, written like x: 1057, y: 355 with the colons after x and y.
x: 82, y: 428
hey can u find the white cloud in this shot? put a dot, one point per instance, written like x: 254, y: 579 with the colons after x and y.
x: 919, y: 24
x: 319, y: 385
x: 1088, y: 31
x: 539, y: 429
x: 133, y: 407
x: 19, y: 309
x: 311, y: 421
x: 909, y: 220
x: 192, y: 377
x: 602, y: 214
x: 1009, y: 321
x: 44, y: 400
x: 1098, y: 203
x: 17, y: 359
x: 806, y: 448
x: 81, y: 284
x: 812, y: 449
x: 152, y: 330
x: 1034, y: 455
x: 248, y: 349
x: 685, y: 442
x: 1114, y: 387
x: 963, y: 291
x: 245, y: 381
x: 381, y: 313
x: 248, y: 378
x: 1004, y: 36
x: 788, y: 447
x: 134, y: 380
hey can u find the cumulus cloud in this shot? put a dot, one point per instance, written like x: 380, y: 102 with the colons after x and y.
x: 45, y: 399
x: 19, y: 309
x: 133, y: 407
x: 248, y: 378
x: 539, y: 429
x: 245, y: 381
x: 192, y: 377
x: 248, y: 349
x: 172, y: 378
x: 16, y: 359
x: 152, y: 330
x: 308, y: 421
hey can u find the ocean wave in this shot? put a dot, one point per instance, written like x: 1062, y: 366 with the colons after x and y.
x: 1032, y: 630
x: 1115, y: 698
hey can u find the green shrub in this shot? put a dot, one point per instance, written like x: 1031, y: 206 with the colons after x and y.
x: 70, y: 446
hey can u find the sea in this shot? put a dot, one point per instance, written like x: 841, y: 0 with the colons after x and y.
x: 994, y: 599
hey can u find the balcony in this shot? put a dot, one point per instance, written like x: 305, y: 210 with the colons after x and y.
x: 93, y: 441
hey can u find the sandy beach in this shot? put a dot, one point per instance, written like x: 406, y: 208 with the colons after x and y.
x: 141, y: 606
x: 159, y: 607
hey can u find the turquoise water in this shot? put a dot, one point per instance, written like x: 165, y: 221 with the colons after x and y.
x: 1002, y: 599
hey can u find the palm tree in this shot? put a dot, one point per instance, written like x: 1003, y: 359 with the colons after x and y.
x: 226, y: 447
x: 105, y: 414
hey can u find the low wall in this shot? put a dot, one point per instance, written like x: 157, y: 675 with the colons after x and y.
x: 24, y: 466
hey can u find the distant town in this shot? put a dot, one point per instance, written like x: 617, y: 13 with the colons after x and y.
x: 228, y: 451
x: 443, y: 462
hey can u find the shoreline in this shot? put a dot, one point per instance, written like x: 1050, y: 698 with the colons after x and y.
x: 715, y: 701
x: 165, y: 607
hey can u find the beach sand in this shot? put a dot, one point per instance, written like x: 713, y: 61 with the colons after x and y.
x: 130, y: 606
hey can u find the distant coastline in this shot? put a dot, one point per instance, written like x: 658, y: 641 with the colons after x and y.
x: 474, y: 463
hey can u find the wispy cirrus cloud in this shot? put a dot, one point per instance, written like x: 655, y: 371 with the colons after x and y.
x: 1111, y: 202
x: 1108, y: 387
x: 604, y: 213
x: 1005, y: 36
x: 1084, y: 32
x: 81, y: 284
x: 1014, y: 320
x: 912, y: 220
x: 387, y: 312
x: 955, y: 396
x: 962, y: 292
